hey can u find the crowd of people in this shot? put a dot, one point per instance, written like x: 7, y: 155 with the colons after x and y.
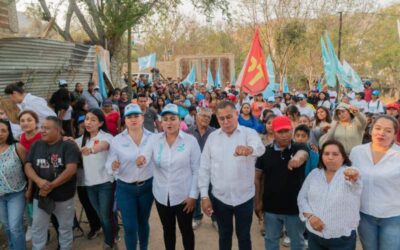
x: 319, y: 169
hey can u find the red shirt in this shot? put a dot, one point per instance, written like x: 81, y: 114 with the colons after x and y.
x: 112, y: 122
x: 368, y: 94
x: 28, y: 143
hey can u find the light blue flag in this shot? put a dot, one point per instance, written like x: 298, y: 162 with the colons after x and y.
x: 355, y: 81
x: 339, y: 71
x: 190, y: 78
x: 218, y: 82
x: 146, y: 62
x: 329, y: 68
x: 269, y: 91
x: 285, y: 87
x: 102, y: 85
x: 270, y: 70
x: 210, y: 80
x: 319, y: 85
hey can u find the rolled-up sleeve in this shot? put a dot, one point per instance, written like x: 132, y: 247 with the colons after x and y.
x: 254, y: 141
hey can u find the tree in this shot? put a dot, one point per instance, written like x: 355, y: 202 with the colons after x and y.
x: 112, y: 18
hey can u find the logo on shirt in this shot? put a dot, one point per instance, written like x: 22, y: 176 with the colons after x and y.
x: 181, y: 148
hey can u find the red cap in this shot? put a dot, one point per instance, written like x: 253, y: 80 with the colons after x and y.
x: 232, y: 98
x: 392, y: 106
x: 281, y: 122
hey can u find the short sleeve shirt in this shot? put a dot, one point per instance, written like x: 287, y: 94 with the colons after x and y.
x: 281, y: 185
x: 49, y: 161
x: 150, y: 116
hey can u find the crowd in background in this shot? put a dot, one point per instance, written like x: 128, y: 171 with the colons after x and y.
x: 318, y: 168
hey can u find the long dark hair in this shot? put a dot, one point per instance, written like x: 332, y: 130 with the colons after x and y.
x: 10, y: 138
x: 100, y: 115
x: 17, y: 87
x: 346, y: 160
x: 328, y: 115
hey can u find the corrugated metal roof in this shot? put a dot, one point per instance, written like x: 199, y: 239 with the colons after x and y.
x: 41, y: 62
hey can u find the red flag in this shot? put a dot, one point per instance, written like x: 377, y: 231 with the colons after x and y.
x: 254, y: 78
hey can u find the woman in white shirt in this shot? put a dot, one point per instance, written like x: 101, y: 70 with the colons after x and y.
x: 329, y: 201
x: 134, y: 184
x: 94, y: 145
x: 378, y: 163
x: 177, y: 159
x: 323, y: 101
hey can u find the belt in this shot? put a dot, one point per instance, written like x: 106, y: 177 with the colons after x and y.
x: 137, y: 183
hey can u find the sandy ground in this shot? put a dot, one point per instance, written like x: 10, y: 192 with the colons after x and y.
x: 206, y: 237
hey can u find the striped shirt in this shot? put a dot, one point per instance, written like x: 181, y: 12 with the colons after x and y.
x: 336, y: 203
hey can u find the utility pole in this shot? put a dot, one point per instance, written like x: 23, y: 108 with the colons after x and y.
x: 129, y: 61
x: 339, y: 47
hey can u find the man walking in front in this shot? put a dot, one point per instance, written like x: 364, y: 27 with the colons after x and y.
x: 227, y: 162
x: 52, y: 165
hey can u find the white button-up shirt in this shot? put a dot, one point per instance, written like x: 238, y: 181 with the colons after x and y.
x: 176, y: 167
x: 380, y: 196
x: 125, y: 150
x: 336, y: 203
x: 38, y: 105
x: 94, y: 164
x: 232, y: 177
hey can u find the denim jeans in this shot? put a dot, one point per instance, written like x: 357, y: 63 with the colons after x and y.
x: 65, y: 212
x: 342, y: 243
x: 101, y: 197
x: 273, y: 228
x: 243, y: 218
x: 12, y: 207
x: 379, y: 233
x: 135, y: 203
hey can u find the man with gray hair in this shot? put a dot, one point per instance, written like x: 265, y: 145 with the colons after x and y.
x: 201, y: 130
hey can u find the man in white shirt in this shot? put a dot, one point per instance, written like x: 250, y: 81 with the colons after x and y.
x: 227, y: 162
x: 303, y: 107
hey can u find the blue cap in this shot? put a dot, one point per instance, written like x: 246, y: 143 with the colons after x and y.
x: 170, y: 109
x: 131, y: 109
x: 81, y: 119
x: 301, y: 96
x: 271, y: 99
x: 375, y: 92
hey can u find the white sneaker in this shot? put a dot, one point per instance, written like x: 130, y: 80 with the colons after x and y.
x: 196, y: 224
x: 28, y: 234
x: 286, y: 241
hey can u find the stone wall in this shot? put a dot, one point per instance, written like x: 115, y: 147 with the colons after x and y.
x: 8, y: 18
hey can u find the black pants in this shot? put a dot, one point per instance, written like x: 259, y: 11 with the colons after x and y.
x: 91, y: 215
x: 168, y: 216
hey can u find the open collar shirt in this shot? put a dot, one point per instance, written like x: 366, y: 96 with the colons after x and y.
x: 381, y: 189
x: 125, y: 150
x: 176, y: 167
x: 232, y: 177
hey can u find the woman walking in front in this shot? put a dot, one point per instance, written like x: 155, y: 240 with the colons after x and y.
x: 134, y: 184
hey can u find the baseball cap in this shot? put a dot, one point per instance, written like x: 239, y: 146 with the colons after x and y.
x: 131, y: 109
x: 281, y: 122
x: 62, y: 82
x: 375, y: 92
x: 107, y: 103
x: 271, y: 99
x: 170, y: 109
x: 343, y: 106
x: 392, y: 106
x: 301, y: 96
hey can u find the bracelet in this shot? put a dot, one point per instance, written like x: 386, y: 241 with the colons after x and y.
x: 309, y: 217
x: 204, y: 198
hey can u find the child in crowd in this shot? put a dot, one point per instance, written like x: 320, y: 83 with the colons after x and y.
x: 302, y: 135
